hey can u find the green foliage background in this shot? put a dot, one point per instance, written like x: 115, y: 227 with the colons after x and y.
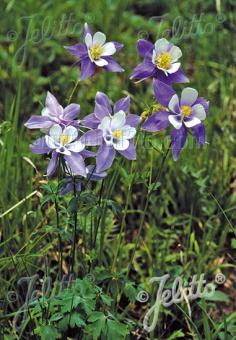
x: 189, y: 226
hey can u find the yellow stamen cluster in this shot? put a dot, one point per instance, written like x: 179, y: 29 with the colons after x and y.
x: 164, y: 60
x: 96, y: 51
x: 64, y: 139
x: 186, y: 110
x: 117, y: 134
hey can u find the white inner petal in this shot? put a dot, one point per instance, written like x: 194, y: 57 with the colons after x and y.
x: 88, y: 40
x: 55, y: 132
x: 188, y: 96
x: 99, y: 38
x: 108, y: 49
x: 118, y: 120
x: 176, y: 121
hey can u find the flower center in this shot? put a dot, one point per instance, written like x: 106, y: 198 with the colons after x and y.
x: 64, y: 139
x: 164, y: 61
x: 96, y: 51
x: 117, y: 134
x: 186, y: 110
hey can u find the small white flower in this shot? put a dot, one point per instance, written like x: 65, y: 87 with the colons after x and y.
x: 98, y: 48
x: 116, y: 132
x: 165, y: 56
x: 61, y: 140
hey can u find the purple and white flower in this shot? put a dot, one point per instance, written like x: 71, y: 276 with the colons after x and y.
x: 95, y: 52
x: 112, y: 132
x: 53, y: 113
x: 161, y: 61
x: 62, y: 142
x: 188, y: 111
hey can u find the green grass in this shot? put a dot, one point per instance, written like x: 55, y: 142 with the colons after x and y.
x: 189, y: 222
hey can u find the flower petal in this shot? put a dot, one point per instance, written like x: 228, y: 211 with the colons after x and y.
x: 51, y: 142
x: 39, y: 122
x: 144, y: 46
x: 103, y: 100
x: 199, y: 111
x: 78, y: 50
x: 178, y: 139
x: 130, y: 152
x: 105, y: 124
x: 122, y: 104
x: 76, y: 164
x: 105, y: 157
x: 156, y: 122
x: 174, y: 104
x: 92, y: 138
x: 90, y: 121
x: 76, y: 146
x: 133, y: 120
x: 121, y: 144
x: 188, y: 96
x: 40, y: 146
x: 143, y: 71
x: 176, y: 121
x: 71, y: 111
x: 175, y: 53
x: 161, y: 45
x: 87, y: 68
x: 112, y: 65
x: 174, y: 68
x: 99, y: 38
x: 118, y: 120
x: 88, y: 40
x: 53, y: 106
x: 71, y: 132
x: 163, y: 92
x: 128, y: 132
x: 55, y: 132
x: 200, y: 133
x: 108, y: 49
x: 52, y: 164
x: 191, y: 121
x: 101, y: 62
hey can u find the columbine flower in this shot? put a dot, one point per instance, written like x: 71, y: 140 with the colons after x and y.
x: 187, y: 112
x: 62, y: 142
x: 112, y: 131
x: 95, y: 52
x: 53, y: 113
x: 160, y: 61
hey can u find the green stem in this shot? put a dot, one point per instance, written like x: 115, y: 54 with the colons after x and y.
x: 75, y: 230
x: 73, y: 91
x: 146, y: 207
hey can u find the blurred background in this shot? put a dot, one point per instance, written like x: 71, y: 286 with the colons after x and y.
x: 189, y: 227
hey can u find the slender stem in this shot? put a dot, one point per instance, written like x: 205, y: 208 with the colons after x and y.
x: 59, y: 238
x: 73, y: 91
x: 146, y: 207
x: 75, y: 229
x: 123, y: 219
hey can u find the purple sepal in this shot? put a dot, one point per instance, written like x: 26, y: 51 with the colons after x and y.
x: 133, y: 120
x: 122, y: 104
x: 178, y: 139
x: 52, y: 164
x: 105, y: 157
x: 40, y: 146
x: 76, y: 164
x: 163, y: 92
x: 200, y: 133
x: 156, y: 122
x: 130, y: 152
